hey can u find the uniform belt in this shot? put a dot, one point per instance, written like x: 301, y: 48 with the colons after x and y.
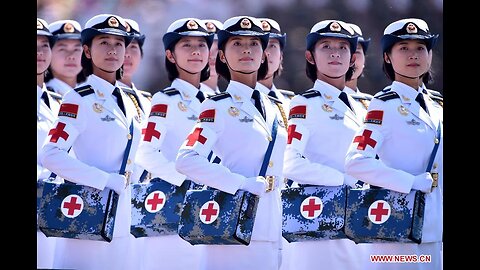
x: 273, y: 182
x: 435, y: 180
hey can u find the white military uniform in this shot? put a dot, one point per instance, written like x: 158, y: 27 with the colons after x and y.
x: 233, y: 128
x: 58, y: 86
x: 45, y: 119
x: 321, y: 128
x: 91, y: 122
x: 402, y: 135
x: 207, y: 91
x: 281, y: 95
x: 174, y: 112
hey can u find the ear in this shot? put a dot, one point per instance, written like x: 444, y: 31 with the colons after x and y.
x: 309, y: 57
x: 170, y: 56
x: 386, y: 58
x: 86, y: 51
x: 221, y: 55
x: 352, y: 60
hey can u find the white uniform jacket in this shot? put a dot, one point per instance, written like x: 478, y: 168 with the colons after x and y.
x: 58, y: 86
x: 174, y: 112
x: 403, y: 136
x: 232, y: 127
x: 320, y: 130
x: 91, y: 122
x: 280, y: 95
x: 45, y: 119
x: 207, y: 91
x: 144, y: 97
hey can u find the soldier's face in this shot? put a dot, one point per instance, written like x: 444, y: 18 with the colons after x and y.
x: 332, y: 56
x: 409, y: 58
x: 44, y: 54
x: 243, y: 53
x: 274, y: 55
x: 107, y: 52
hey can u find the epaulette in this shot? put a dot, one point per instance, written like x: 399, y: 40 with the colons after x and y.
x: 128, y: 90
x: 275, y: 99
x: 220, y: 96
x: 170, y: 91
x: 54, y: 94
x: 311, y: 93
x: 145, y: 94
x: 84, y: 90
x: 435, y: 96
x: 361, y: 96
x: 289, y: 94
x: 388, y: 96
x: 387, y: 88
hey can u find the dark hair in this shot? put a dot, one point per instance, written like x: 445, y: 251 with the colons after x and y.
x: 223, y: 71
x: 311, y: 70
x: 278, y: 72
x: 87, y: 65
x: 172, y: 71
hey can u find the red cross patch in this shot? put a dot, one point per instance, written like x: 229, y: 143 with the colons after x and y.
x: 374, y: 117
x: 159, y: 110
x: 207, y: 116
x: 155, y: 201
x: 364, y: 140
x: 68, y: 110
x: 209, y: 212
x: 58, y: 132
x: 292, y: 134
x: 72, y: 206
x: 150, y: 132
x: 379, y: 211
x: 298, y: 112
x: 311, y: 207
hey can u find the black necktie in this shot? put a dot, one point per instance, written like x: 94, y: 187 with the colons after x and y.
x: 421, y: 101
x: 258, y: 102
x: 45, y: 98
x: 343, y: 97
x: 117, y: 94
x: 200, y: 96
x: 272, y: 94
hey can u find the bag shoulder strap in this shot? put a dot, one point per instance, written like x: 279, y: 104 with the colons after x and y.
x: 435, y: 147
x: 266, y: 159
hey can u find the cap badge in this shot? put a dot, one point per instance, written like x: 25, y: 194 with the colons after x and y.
x: 402, y: 110
x: 411, y: 28
x: 211, y: 27
x: 127, y: 27
x: 192, y: 25
x: 245, y: 24
x: 335, y: 27
x: 113, y: 22
x: 265, y: 26
x: 39, y: 25
x: 68, y: 28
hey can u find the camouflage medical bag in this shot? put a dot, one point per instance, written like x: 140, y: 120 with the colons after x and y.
x: 313, y: 213
x: 156, y: 207
x: 382, y: 215
x: 214, y: 217
x: 76, y: 211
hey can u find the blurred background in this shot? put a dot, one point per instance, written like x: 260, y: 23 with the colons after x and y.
x: 296, y: 17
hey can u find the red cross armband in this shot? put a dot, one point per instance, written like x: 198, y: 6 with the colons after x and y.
x: 154, y: 132
x: 366, y: 141
x: 201, y: 139
x: 62, y: 135
x: 297, y: 136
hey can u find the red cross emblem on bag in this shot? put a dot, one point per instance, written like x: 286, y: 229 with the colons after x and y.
x: 311, y: 207
x: 155, y: 201
x: 209, y: 212
x: 379, y: 211
x: 72, y: 206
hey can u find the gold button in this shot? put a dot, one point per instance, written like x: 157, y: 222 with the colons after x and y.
x: 129, y: 136
x: 129, y: 161
x: 270, y: 164
x: 436, y: 141
x: 269, y: 138
x: 435, y: 165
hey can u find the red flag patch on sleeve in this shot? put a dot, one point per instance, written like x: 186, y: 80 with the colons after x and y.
x: 159, y: 110
x: 207, y: 116
x: 374, y: 117
x: 68, y: 110
x: 298, y: 112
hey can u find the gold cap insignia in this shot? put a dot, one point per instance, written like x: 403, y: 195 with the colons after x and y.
x: 245, y: 24
x: 192, y: 25
x: 327, y: 108
x: 411, y: 28
x: 39, y: 25
x: 127, y: 27
x: 265, y: 26
x: 98, y: 108
x: 68, y: 28
x: 211, y: 28
x: 113, y: 22
x: 402, y: 110
x: 335, y: 27
x: 233, y: 111
x: 182, y: 106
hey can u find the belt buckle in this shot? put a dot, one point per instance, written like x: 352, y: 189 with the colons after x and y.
x: 271, y: 183
x: 435, y: 180
x: 127, y: 178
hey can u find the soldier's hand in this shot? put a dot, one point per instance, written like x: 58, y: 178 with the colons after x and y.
x: 256, y: 185
x: 423, y: 182
x: 116, y: 182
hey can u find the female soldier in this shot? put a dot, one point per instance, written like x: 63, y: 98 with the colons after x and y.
x: 47, y: 110
x: 174, y: 112
x: 210, y: 86
x: 95, y: 119
x: 65, y: 71
x: 237, y: 126
x: 401, y: 127
x: 322, y: 123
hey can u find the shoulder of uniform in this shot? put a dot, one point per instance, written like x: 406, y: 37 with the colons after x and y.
x: 170, y: 91
x: 361, y: 96
x: 54, y: 94
x: 276, y: 100
x: 84, y: 90
x: 311, y: 93
x: 434, y: 94
x: 387, y: 96
x: 145, y: 93
x: 220, y: 96
x: 128, y: 90
x: 288, y: 93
